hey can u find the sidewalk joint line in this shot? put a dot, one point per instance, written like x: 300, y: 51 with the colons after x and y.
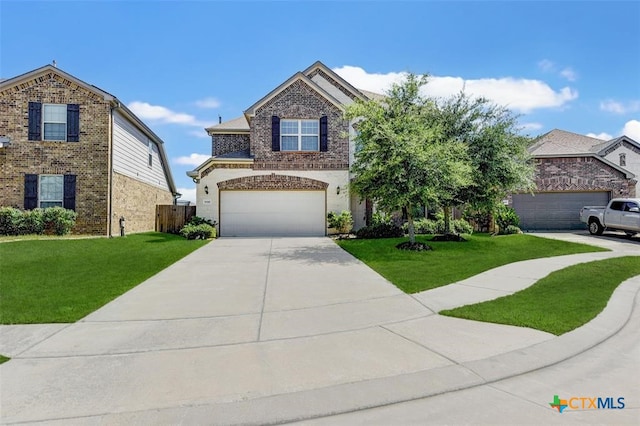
x: 264, y: 293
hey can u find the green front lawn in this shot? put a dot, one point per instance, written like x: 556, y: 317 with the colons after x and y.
x: 3, y: 359
x: 560, y: 302
x: 63, y: 280
x: 450, y: 262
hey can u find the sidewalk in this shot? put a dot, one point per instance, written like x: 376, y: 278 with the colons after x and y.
x: 272, y: 330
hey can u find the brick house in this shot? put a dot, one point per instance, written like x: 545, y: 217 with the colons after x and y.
x: 74, y: 145
x: 283, y: 165
x: 573, y: 171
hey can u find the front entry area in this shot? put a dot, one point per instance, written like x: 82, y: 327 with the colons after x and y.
x: 272, y: 213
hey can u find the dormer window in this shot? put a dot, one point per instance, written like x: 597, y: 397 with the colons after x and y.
x: 623, y: 159
x: 299, y: 135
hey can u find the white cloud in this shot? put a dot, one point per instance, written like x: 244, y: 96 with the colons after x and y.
x: 546, y: 65
x: 531, y: 126
x: 188, y: 194
x: 192, y: 160
x: 632, y: 129
x: 160, y: 114
x: 522, y: 95
x: 604, y: 136
x: 569, y: 74
x: 208, y: 103
x: 616, y: 107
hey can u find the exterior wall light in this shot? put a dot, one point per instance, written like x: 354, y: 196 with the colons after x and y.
x: 4, y: 141
x: 206, y: 189
x: 338, y: 190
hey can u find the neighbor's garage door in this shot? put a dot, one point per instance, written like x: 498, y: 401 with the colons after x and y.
x: 272, y: 213
x: 555, y: 210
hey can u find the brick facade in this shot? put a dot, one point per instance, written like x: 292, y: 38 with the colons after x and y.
x: 272, y: 182
x: 299, y: 101
x: 226, y: 143
x: 87, y: 159
x: 136, y: 202
x: 581, y: 174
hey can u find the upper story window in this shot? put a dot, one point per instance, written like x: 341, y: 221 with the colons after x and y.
x: 623, y: 159
x: 54, y: 122
x: 150, y: 158
x: 299, y: 135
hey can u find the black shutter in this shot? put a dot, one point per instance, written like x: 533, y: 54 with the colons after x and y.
x: 275, y: 133
x: 30, y: 192
x: 324, y: 134
x: 69, y: 201
x: 35, y: 121
x: 73, y: 122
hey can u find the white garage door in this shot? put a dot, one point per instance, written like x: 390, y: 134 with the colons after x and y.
x: 272, y: 213
x: 555, y: 210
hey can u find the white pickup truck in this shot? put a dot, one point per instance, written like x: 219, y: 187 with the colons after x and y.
x: 621, y: 214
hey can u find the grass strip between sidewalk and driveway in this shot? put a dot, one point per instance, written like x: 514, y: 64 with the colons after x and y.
x: 3, y: 359
x: 63, y: 280
x: 562, y: 301
x: 450, y: 262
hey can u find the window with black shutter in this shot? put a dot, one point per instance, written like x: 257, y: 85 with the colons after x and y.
x: 275, y: 133
x: 324, y: 134
x: 30, y: 191
x: 54, y: 122
x: 69, y: 201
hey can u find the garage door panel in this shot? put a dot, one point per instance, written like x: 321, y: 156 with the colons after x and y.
x: 555, y: 210
x: 272, y: 213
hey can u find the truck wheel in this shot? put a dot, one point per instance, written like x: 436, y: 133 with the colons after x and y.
x: 595, y: 228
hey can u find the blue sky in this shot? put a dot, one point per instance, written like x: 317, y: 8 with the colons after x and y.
x: 180, y: 64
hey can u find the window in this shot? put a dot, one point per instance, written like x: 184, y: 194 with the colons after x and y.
x: 150, y: 161
x: 51, y: 191
x: 617, y: 205
x: 623, y: 159
x: 299, y: 135
x: 54, y: 122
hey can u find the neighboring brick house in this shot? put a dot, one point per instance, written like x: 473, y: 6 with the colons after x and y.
x: 282, y: 166
x: 74, y: 145
x: 572, y: 171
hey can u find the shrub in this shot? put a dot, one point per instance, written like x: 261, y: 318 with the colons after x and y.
x: 32, y: 222
x: 382, y: 230
x: 342, y: 222
x: 428, y: 226
x: 511, y: 229
x: 506, y: 216
x: 58, y: 220
x: 10, y: 221
x: 381, y: 218
x: 196, y: 220
x: 203, y: 231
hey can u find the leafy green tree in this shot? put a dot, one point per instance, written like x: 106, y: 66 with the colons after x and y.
x: 498, y: 154
x: 403, y: 157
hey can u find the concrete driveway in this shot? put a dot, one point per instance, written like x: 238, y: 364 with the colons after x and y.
x: 271, y: 330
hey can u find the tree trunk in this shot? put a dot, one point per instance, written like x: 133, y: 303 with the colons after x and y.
x: 410, y: 226
x: 447, y: 219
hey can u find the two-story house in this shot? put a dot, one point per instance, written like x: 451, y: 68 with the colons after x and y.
x: 283, y: 165
x: 573, y: 171
x: 68, y: 143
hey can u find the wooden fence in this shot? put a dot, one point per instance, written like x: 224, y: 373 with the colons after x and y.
x: 171, y: 218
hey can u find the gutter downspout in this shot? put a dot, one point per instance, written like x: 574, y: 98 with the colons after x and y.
x: 110, y: 171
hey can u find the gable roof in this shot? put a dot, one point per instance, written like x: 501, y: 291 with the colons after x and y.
x: 607, y: 147
x: 108, y: 97
x: 560, y: 142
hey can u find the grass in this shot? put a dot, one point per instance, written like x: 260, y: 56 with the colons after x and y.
x: 3, y: 359
x: 63, y: 280
x: 450, y: 262
x: 560, y: 302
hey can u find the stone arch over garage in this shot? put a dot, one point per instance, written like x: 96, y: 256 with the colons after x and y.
x: 273, y: 182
